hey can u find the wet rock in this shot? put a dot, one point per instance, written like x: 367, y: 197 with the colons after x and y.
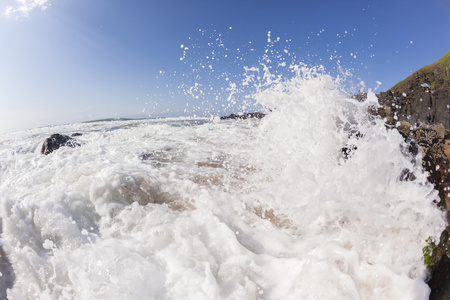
x: 361, y: 96
x: 404, y: 128
x: 55, y: 141
x: 440, y: 280
x: 406, y: 132
x: 255, y: 115
x: 435, y: 158
x: 436, y: 162
x: 423, y: 100
x: 406, y: 175
x: 348, y: 149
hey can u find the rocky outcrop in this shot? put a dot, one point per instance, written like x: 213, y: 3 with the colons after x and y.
x: 255, y: 115
x: 419, y: 108
x: 434, y: 140
x: 440, y: 263
x: 55, y: 141
x: 423, y: 97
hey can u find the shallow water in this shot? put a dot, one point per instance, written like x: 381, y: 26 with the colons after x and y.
x: 219, y: 209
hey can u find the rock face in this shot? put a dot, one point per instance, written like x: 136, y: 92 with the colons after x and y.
x: 440, y: 281
x: 55, y: 141
x: 419, y: 108
x: 410, y: 101
x: 435, y: 160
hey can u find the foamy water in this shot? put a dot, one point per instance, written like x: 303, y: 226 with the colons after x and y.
x: 219, y: 209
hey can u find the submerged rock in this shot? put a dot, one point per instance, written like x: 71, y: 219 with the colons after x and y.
x: 55, y: 141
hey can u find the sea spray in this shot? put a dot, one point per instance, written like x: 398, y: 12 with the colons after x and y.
x: 222, y: 209
x: 319, y: 194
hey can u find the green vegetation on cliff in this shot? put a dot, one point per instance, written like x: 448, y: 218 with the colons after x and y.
x: 431, y: 74
x: 442, y: 63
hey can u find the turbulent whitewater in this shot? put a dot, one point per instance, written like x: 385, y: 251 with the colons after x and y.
x: 219, y: 209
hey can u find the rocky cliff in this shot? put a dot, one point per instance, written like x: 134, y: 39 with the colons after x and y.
x: 419, y: 108
x: 423, y: 97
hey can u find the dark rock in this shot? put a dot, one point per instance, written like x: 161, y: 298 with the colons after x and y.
x: 55, y: 141
x: 416, y: 106
x: 436, y: 162
x: 427, y: 108
x: 361, y: 96
x: 410, y: 101
x: 406, y: 175
x: 255, y: 115
x: 348, y: 149
x: 434, y: 158
x: 440, y: 280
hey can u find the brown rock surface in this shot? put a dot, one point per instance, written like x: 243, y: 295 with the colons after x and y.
x: 410, y: 101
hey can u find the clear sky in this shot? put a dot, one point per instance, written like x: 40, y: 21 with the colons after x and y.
x: 64, y: 61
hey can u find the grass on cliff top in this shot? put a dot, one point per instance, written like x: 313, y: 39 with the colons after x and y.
x: 443, y: 61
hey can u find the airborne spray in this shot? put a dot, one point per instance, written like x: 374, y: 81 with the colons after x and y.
x: 221, y: 209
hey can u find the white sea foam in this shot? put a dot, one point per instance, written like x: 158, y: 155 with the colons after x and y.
x: 244, y: 209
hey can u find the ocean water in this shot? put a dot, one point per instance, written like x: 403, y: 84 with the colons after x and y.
x: 219, y: 209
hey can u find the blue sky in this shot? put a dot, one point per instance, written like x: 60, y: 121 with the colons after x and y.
x: 64, y: 61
